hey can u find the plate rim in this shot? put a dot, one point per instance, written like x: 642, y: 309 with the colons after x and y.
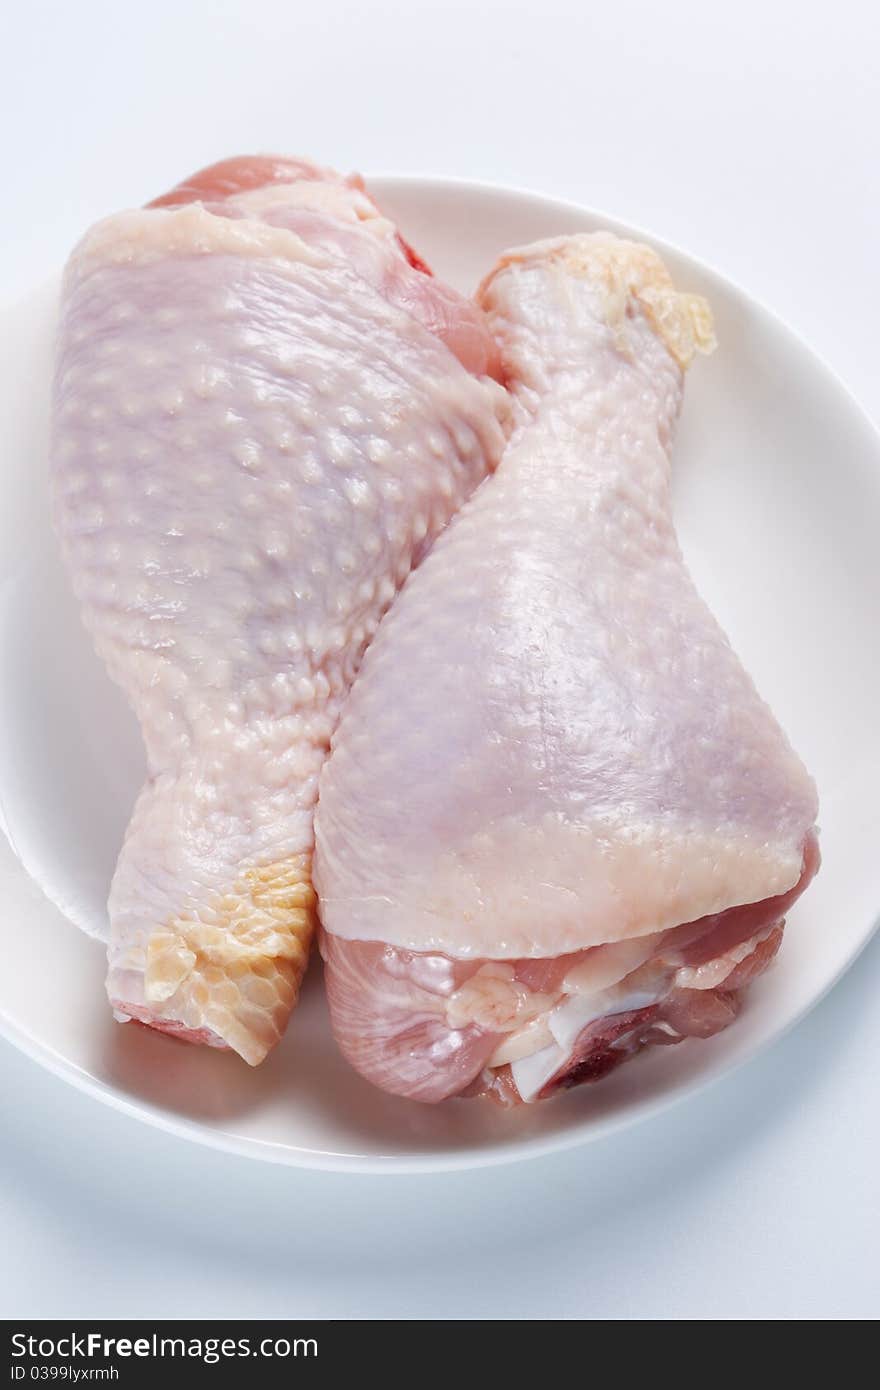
x: 514, y: 1150
x: 457, y: 1160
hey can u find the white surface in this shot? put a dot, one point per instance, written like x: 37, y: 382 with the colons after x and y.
x: 71, y: 764
x: 747, y: 137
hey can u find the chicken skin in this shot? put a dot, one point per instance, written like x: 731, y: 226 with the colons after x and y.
x: 265, y: 410
x: 558, y: 824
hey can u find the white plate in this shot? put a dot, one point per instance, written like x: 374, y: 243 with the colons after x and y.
x: 777, y: 477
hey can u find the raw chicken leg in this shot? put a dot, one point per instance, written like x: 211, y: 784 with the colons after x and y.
x: 265, y: 410
x: 557, y: 823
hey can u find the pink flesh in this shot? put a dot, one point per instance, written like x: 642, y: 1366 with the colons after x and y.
x: 605, y: 1044
x: 381, y: 1003
x: 701, y: 941
x: 386, y: 1007
x: 145, y: 1018
x: 244, y: 174
x: 410, y: 285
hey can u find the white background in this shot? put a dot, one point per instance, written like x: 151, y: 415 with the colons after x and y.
x: 746, y: 133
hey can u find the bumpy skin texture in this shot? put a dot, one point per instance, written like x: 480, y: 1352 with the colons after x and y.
x: 552, y: 747
x: 262, y: 419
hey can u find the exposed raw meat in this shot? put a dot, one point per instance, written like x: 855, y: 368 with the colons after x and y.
x: 265, y: 410
x: 246, y: 174
x: 410, y: 1011
x: 333, y: 212
x: 552, y: 758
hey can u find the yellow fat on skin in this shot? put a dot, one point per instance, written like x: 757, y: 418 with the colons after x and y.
x: 235, y: 965
x: 624, y: 271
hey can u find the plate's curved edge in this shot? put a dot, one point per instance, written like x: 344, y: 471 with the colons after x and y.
x: 517, y: 1150
x: 566, y: 205
x: 663, y: 244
